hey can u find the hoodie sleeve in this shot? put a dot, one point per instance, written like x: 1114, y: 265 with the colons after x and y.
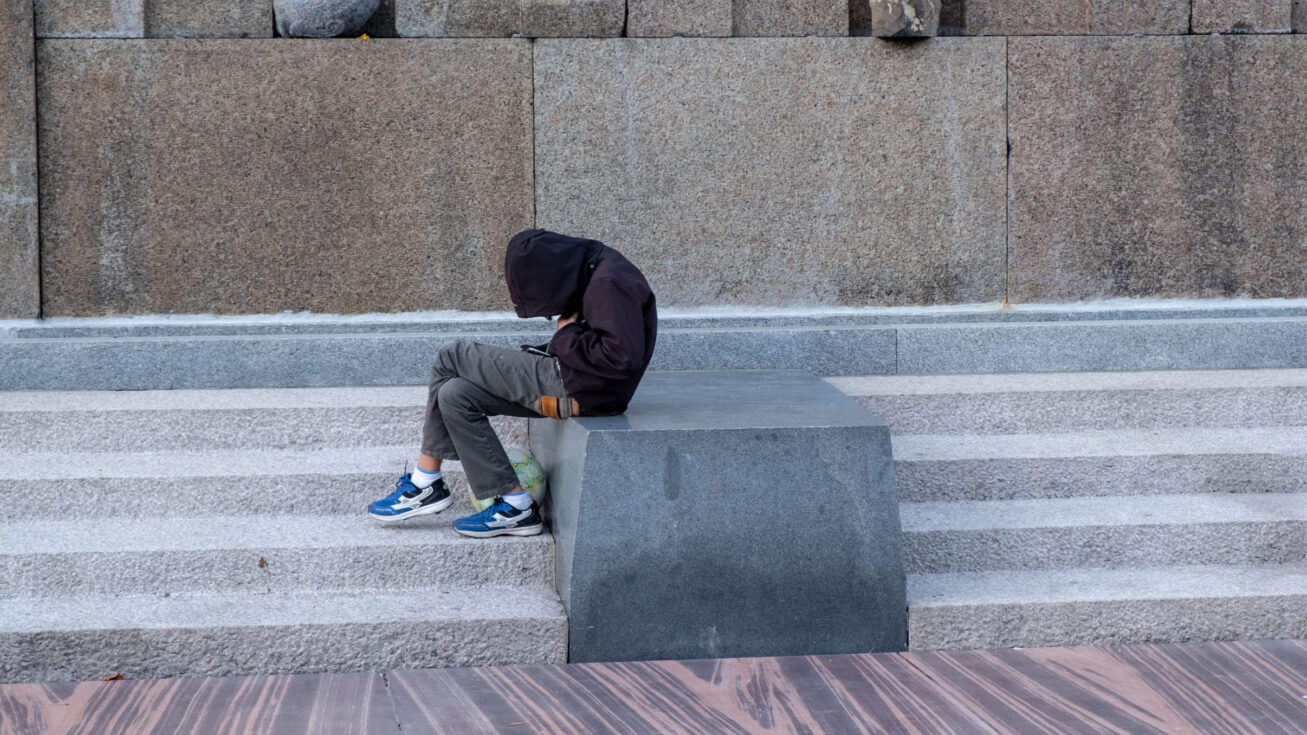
x: 611, y: 342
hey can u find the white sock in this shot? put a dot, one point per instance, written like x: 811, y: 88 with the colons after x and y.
x: 520, y: 500
x: 423, y: 479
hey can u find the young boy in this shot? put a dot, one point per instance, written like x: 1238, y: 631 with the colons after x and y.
x: 600, y: 349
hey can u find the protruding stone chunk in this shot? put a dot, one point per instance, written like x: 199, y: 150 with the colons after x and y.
x: 790, y: 18
x: 655, y: 18
x: 1242, y: 16
x: 894, y: 18
x: 322, y: 18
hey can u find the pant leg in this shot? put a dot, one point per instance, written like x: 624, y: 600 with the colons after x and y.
x: 471, y: 382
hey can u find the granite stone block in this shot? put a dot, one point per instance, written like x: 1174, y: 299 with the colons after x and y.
x: 1300, y: 16
x: 1075, y: 17
x: 502, y: 18
x: 206, y: 19
x: 698, y: 578
x: 180, y: 176
x: 753, y: 166
x: 1242, y: 16
x: 659, y: 18
x: 19, y: 271
x: 90, y: 18
x: 894, y: 18
x: 790, y: 18
x: 1168, y: 167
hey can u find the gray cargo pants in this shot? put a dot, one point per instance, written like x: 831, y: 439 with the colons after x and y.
x: 469, y: 383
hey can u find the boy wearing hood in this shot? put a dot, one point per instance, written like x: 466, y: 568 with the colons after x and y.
x: 601, y: 347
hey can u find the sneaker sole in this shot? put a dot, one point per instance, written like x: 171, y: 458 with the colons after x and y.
x: 534, y: 530
x: 428, y: 510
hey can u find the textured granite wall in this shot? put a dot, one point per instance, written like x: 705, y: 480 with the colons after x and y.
x: 361, y: 176
x: 1074, y: 17
x: 1242, y: 16
x: 19, y: 282
x: 1158, y: 167
x: 781, y: 171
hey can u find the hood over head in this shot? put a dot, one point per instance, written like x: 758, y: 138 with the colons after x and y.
x: 547, y: 272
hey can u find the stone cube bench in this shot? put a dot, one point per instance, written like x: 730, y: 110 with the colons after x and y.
x: 726, y: 514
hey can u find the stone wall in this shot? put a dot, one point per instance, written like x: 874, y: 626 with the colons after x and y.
x: 189, y: 162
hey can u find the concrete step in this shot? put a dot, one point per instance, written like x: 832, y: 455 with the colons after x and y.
x: 81, y: 638
x: 1103, y: 532
x: 301, y: 418
x: 1031, y: 403
x: 1106, y: 606
x: 180, y: 483
x: 262, y: 554
x: 1096, y: 463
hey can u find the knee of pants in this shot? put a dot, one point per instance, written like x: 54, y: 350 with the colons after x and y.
x: 455, y: 395
x: 444, y: 364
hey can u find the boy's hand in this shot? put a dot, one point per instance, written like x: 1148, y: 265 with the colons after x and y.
x: 563, y: 321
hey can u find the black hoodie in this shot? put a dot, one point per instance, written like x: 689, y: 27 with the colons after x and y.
x: 602, y: 356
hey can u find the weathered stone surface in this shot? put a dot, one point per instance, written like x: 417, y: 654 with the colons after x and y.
x: 19, y: 275
x: 1076, y: 17
x: 1158, y: 167
x: 953, y: 18
x: 894, y: 18
x: 760, y: 171
x: 182, y: 176
x: 698, y: 578
x: 1300, y: 16
x: 791, y: 18
x: 501, y: 18
x: 1242, y: 16
x: 659, y: 18
x: 90, y: 18
x: 206, y: 19
x: 322, y: 18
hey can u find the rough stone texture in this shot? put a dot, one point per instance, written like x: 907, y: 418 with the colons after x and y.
x: 322, y: 18
x: 1242, y: 16
x: 754, y: 166
x: 659, y: 18
x: 501, y: 18
x: 1300, y: 16
x: 1074, y: 17
x: 182, y: 176
x: 1106, y: 606
x: 90, y: 18
x: 953, y: 18
x: 1158, y: 167
x: 19, y: 272
x: 208, y: 19
x: 790, y: 18
x: 894, y: 18
x: 696, y: 578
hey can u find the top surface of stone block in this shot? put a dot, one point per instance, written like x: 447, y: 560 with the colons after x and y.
x: 712, y: 400
x: 90, y: 18
x: 1158, y: 167
x: 19, y: 277
x: 660, y: 18
x: 1075, y: 17
x: 1242, y: 16
x: 791, y: 18
x: 781, y: 171
x: 361, y: 176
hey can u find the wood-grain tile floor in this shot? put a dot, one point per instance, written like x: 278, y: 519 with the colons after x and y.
x: 1200, y: 688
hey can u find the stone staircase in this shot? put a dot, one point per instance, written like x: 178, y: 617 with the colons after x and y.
x: 1059, y: 509
x: 164, y: 533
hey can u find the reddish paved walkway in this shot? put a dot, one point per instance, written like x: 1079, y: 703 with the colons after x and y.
x: 1207, y: 688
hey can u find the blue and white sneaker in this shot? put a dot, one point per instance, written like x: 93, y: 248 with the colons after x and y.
x: 501, y: 519
x: 409, y: 501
